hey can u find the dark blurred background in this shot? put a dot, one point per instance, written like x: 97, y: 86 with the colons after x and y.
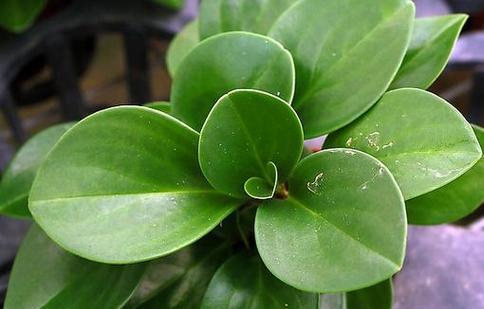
x: 79, y: 56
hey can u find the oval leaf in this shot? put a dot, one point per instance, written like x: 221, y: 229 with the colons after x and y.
x: 19, y: 176
x: 217, y: 16
x: 377, y: 296
x: 132, y: 175
x: 181, y: 46
x: 226, y: 62
x: 245, y: 131
x: 329, y: 63
x: 46, y: 276
x: 244, y: 282
x: 453, y: 201
x: 342, y: 228
x: 181, y: 279
x: 422, y: 139
x: 432, y: 42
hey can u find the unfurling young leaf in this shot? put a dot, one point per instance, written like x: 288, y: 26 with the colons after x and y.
x: 132, y: 175
x: 19, y: 176
x: 243, y: 134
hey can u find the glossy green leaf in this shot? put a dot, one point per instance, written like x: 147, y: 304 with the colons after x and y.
x: 244, y: 282
x: 430, y: 48
x: 245, y: 131
x: 181, y: 46
x: 18, y: 15
x: 124, y: 185
x: 346, y: 55
x: 377, y: 296
x: 454, y: 200
x: 217, y: 16
x: 19, y: 176
x: 180, y: 280
x: 260, y: 188
x: 343, y: 226
x: 46, y: 276
x: 226, y: 62
x: 423, y: 140
x: 161, y: 106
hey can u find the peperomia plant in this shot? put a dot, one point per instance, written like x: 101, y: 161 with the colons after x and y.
x: 215, y: 189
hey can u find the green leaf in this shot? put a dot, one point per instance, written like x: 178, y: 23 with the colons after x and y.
x: 430, y: 48
x: 454, y: 200
x: 19, y: 176
x: 181, y: 45
x: 422, y: 139
x: 346, y: 55
x: 244, y: 282
x: 377, y: 296
x: 46, y: 276
x: 245, y: 131
x: 161, y: 106
x: 181, y: 279
x: 217, y: 16
x: 343, y: 226
x: 226, y: 62
x: 260, y: 188
x: 124, y: 185
x: 18, y: 15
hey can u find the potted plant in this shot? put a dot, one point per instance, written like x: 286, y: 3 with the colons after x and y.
x: 210, y: 201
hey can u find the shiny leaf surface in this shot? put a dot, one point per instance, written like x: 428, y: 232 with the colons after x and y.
x: 227, y: 62
x: 257, y: 16
x: 343, y: 226
x: 245, y: 131
x: 181, y: 46
x: 377, y: 296
x: 454, y: 200
x: 181, y: 279
x: 337, y: 46
x: 46, y: 276
x: 124, y: 185
x: 244, y: 282
x: 19, y: 176
x: 423, y: 140
x: 430, y: 48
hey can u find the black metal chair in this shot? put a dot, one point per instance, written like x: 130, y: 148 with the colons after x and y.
x: 135, y: 20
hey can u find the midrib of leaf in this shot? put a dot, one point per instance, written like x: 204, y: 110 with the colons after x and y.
x: 314, y: 88
x: 366, y: 246
x: 154, y: 194
x: 438, y: 152
x: 251, y: 142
